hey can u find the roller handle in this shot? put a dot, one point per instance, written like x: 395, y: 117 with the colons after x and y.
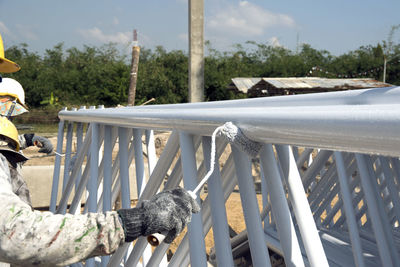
x: 157, y: 238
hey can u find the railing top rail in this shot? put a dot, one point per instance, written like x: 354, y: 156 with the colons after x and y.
x: 365, y: 121
x: 385, y: 95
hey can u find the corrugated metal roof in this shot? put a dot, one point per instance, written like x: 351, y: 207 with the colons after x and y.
x: 244, y: 84
x: 315, y: 82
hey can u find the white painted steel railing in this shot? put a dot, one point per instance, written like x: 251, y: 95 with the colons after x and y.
x: 329, y: 170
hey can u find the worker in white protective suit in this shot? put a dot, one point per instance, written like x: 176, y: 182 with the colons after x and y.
x: 12, y: 103
x: 33, y: 238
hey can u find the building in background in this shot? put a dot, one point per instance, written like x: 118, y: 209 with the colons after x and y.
x: 258, y: 87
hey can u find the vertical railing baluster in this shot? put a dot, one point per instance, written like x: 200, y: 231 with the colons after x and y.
x: 79, y: 140
x: 92, y: 183
x: 151, y: 163
x: 57, y: 166
x: 140, y: 178
x: 219, y: 217
x: 255, y: 232
x: 139, y: 161
x: 68, y: 149
x: 94, y: 169
x: 124, y: 167
x: 349, y: 210
x: 107, y: 181
x: 196, y: 237
x: 284, y: 223
x: 308, y: 230
x: 100, y: 174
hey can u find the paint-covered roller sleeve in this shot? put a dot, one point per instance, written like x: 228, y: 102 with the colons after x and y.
x: 236, y: 137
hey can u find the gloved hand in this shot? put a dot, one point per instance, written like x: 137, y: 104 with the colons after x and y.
x: 43, y: 143
x: 167, y: 212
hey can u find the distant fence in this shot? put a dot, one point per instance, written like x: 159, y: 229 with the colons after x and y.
x: 329, y: 164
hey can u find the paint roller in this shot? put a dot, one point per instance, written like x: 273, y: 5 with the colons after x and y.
x: 236, y: 137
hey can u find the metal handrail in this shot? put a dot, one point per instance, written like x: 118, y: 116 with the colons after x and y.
x: 359, y: 121
x: 355, y: 127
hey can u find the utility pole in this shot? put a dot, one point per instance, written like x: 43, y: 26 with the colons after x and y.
x: 384, y: 68
x: 196, y: 50
x: 134, y: 70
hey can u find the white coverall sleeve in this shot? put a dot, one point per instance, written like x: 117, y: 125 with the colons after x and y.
x: 22, y: 141
x: 29, y: 237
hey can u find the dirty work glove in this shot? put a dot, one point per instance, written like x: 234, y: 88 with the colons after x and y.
x: 167, y: 212
x: 43, y: 143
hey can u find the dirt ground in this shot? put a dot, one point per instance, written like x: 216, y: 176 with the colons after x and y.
x: 235, y: 220
x: 40, y: 159
x: 233, y: 205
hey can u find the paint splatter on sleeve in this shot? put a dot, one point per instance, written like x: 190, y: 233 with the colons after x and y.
x: 29, y: 237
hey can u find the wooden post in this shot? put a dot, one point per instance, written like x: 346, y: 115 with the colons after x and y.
x: 134, y: 70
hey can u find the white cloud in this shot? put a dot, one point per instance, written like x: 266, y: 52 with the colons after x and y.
x: 246, y: 19
x: 97, y: 35
x: 27, y: 31
x: 3, y: 28
x: 274, y: 41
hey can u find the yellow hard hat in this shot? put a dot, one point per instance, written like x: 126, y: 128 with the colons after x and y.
x: 9, y: 133
x: 6, y: 65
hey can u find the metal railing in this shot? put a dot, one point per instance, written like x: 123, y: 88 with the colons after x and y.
x: 329, y: 171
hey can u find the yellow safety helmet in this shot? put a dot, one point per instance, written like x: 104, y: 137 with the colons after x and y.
x: 9, y: 133
x: 6, y: 65
x: 10, y: 87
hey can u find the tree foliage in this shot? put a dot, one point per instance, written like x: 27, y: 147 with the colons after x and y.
x: 100, y: 75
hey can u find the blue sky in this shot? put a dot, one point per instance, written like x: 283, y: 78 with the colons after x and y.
x: 338, y: 26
